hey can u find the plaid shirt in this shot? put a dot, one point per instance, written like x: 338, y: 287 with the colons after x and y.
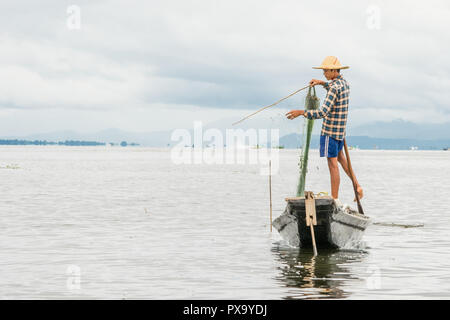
x: 334, y: 109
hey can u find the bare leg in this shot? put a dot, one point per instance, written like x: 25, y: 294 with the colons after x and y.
x: 334, y: 175
x: 343, y: 161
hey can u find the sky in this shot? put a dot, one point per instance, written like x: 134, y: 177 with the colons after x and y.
x: 147, y: 66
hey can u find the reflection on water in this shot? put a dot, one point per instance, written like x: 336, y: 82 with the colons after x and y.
x: 310, y: 277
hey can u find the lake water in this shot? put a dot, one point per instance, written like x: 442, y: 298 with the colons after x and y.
x: 128, y: 223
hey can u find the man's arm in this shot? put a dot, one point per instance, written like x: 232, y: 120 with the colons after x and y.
x: 315, y: 82
x: 295, y: 113
x: 325, y: 109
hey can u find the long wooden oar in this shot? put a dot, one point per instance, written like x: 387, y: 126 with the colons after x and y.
x: 271, y: 105
x: 270, y: 192
x: 347, y: 155
x: 311, y: 220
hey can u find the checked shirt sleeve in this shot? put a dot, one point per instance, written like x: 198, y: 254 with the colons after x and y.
x: 326, y: 107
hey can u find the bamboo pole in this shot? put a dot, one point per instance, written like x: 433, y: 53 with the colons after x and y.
x: 270, y: 192
x: 347, y: 155
x: 311, y: 219
x: 313, y: 238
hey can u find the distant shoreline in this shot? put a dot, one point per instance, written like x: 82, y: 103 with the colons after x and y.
x: 107, y: 145
x: 76, y: 143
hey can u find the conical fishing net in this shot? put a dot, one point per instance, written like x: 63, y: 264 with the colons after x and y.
x: 312, y: 102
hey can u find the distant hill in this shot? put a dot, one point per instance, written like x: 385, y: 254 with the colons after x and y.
x: 394, y: 135
x: 363, y: 142
x: 397, y: 134
x: 400, y: 129
x: 116, y: 136
x: 16, y: 142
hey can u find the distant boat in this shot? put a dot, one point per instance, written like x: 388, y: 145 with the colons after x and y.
x: 445, y: 149
x: 337, y: 227
x: 413, y: 148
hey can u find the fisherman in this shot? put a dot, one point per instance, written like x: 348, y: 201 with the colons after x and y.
x: 334, y: 112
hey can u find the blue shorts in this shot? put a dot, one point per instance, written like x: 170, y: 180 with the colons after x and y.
x: 330, y: 147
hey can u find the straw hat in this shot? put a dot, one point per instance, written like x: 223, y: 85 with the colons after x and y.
x: 332, y: 63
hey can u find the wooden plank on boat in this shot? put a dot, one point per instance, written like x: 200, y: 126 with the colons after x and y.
x: 299, y: 202
x: 310, y: 214
x: 288, y: 199
x: 310, y: 209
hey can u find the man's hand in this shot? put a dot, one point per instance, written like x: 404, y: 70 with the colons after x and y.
x: 314, y: 82
x: 294, y: 114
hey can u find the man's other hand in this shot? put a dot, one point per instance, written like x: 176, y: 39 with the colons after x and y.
x: 314, y: 82
x: 294, y: 114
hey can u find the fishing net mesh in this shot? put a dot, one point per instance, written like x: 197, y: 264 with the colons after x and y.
x: 312, y: 102
x: 277, y: 119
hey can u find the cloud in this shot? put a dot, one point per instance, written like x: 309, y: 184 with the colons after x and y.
x: 134, y: 55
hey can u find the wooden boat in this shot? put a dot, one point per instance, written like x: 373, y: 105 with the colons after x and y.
x: 337, y: 227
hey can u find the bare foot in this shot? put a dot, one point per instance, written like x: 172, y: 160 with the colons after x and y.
x: 359, y: 190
